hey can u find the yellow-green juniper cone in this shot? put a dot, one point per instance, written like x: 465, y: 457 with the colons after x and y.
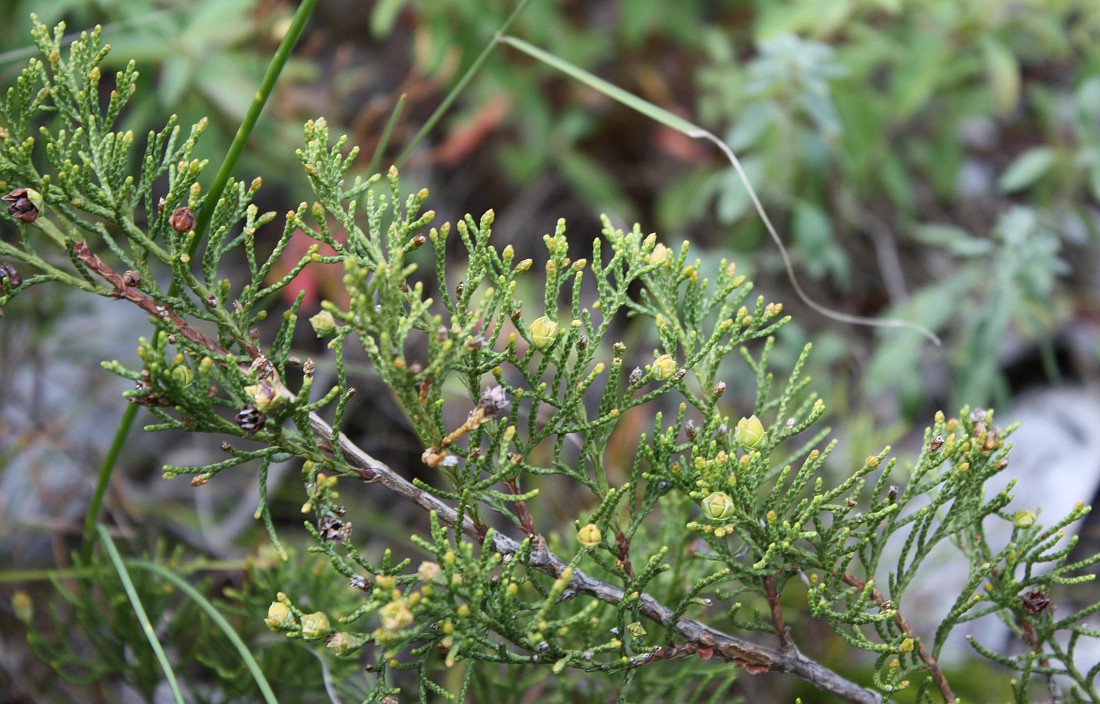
x: 665, y: 367
x: 324, y: 323
x: 314, y: 625
x: 718, y: 506
x: 589, y: 536
x: 279, y: 617
x: 543, y: 331
x: 265, y: 396
x: 750, y: 434
x: 343, y: 643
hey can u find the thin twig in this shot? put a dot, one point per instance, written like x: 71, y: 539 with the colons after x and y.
x: 525, y: 519
x: 623, y: 544
x: 1032, y: 640
x: 903, y: 625
x: 144, y: 301
x: 781, y: 629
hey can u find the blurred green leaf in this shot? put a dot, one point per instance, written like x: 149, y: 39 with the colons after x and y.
x: 733, y: 199
x: 953, y: 239
x: 751, y: 124
x: 230, y: 84
x: 812, y: 231
x: 1026, y: 169
x: 175, y: 79
x: 1087, y: 97
x: 686, y: 198
x: 918, y: 72
x: 384, y: 16
x: 896, y: 363
x: 593, y: 182
x: 1004, y: 73
x: 1094, y: 174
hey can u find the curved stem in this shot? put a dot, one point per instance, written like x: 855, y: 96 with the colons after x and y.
x: 139, y: 611
x: 217, y: 618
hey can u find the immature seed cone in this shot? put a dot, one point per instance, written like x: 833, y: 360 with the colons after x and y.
x: 589, y: 536
x: 543, y: 332
x: 344, y: 643
x: 1023, y: 518
x: 395, y: 616
x: 324, y: 324
x: 265, y: 397
x: 428, y: 571
x: 718, y: 506
x: 279, y: 617
x: 183, y: 375
x: 664, y: 367
x: 659, y: 254
x: 314, y: 625
x: 750, y: 434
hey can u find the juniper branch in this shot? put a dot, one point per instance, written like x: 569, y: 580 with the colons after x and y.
x: 752, y: 657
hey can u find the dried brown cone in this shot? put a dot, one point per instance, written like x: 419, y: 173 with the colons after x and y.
x: 25, y: 204
x: 182, y: 220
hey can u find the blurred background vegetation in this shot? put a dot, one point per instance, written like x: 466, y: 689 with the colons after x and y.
x: 936, y: 160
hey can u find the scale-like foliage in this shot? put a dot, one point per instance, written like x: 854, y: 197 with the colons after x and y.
x: 718, y: 516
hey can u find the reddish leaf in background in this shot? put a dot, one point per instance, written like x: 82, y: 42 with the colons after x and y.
x: 678, y: 145
x: 320, y: 282
x: 467, y: 138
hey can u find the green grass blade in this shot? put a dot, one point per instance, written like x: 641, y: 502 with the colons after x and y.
x: 630, y: 100
x: 139, y: 611
x: 217, y: 618
x: 106, y: 468
x: 387, y: 132
x: 694, y: 131
x: 267, y: 85
x: 461, y: 85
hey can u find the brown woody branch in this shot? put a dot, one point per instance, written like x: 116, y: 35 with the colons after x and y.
x: 126, y: 290
x: 778, y: 621
x: 754, y: 658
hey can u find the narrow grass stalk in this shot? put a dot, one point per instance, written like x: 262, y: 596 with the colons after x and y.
x: 267, y: 85
x: 694, y: 131
x: 217, y: 618
x: 139, y: 611
x: 387, y: 132
x: 103, y: 478
x: 429, y: 125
